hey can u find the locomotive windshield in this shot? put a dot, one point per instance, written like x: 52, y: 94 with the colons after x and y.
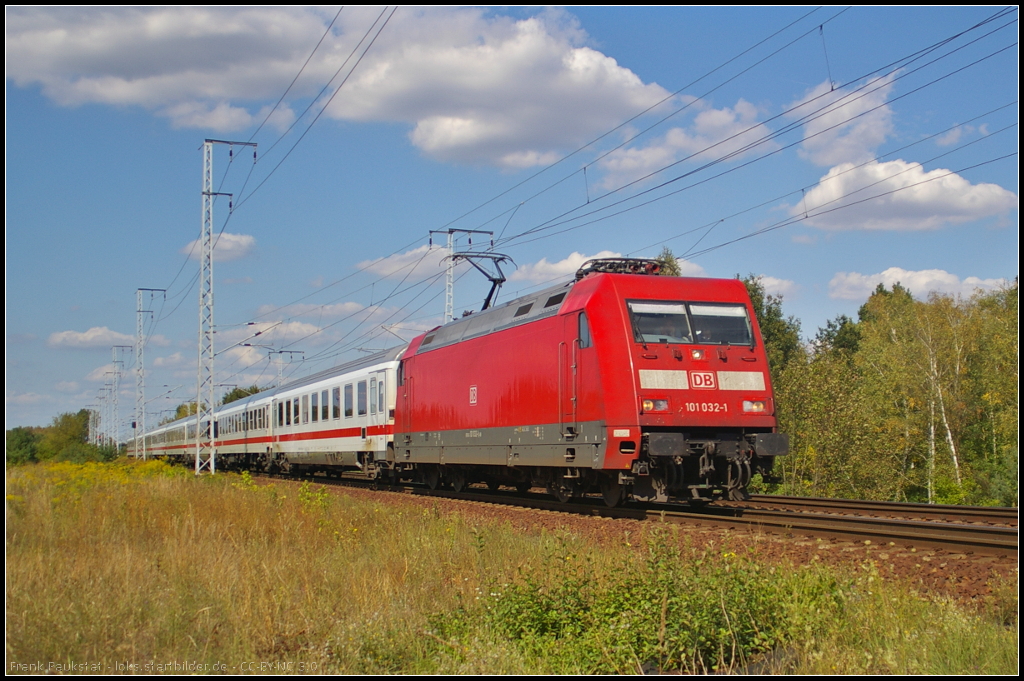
x: 678, y: 323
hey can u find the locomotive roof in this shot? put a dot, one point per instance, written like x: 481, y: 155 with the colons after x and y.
x: 522, y: 310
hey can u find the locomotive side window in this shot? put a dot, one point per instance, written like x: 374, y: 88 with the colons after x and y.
x: 721, y: 324
x: 361, y: 398
x: 584, y: 326
x: 336, y: 402
x: 348, y: 400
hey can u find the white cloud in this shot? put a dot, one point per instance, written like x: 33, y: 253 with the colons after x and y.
x: 856, y: 286
x: 170, y: 361
x: 96, y: 337
x: 778, y: 287
x: 26, y: 398
x: 67, y: 386
x: 419, y: 263
x: 100, y: 373
x: 544, y: 271
x: 330, y: 311
x: 925, y: 200
x: 473, y: 85
x: 714, y: 133
x: 226, y: 247
x: 844, y: 127
x: 953, y: 136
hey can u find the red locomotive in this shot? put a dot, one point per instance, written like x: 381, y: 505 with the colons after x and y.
x: 627, y: 383
x: 620, y: 382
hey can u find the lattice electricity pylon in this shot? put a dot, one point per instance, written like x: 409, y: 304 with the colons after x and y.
x: 206, y: 431
x: 139, y: 425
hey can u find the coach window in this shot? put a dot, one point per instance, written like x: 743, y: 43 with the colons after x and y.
x: 324, y: 409
x: 585, y: 341
x: 315, y: 407
x: 380, y: 395
x: 305, y: 409
x: 361, y: 398
x: 336, y: 403
x: 295, y: 411
x: 373, y: 395
x: 288, y: 413
x: 348, y: 400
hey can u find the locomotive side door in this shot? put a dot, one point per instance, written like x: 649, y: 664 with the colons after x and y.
x: 568, y: 376
x: 404, y: 403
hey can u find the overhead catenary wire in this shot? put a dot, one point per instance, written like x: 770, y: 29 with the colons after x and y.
x: 562, y: 219
x: 892, y: 66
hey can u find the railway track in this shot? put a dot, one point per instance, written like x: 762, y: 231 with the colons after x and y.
x: 887, y: 509
x: 953, y: 528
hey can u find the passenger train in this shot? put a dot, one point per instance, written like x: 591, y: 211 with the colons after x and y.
x: 621, y: 382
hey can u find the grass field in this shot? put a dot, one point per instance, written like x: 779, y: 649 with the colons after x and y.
x: 127, y: 567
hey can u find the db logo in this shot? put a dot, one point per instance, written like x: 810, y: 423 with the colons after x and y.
x: 702, y: 380
x: 472, y: 394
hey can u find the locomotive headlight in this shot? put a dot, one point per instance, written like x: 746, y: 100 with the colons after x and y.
x: 696, y: 354
x: 655, y: 405
x: 755, y: 406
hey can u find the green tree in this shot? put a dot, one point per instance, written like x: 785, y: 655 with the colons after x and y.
x: 781, y: 334
x: 840, y: 335
x: 236, y: 394
x: 64, y: 431
x: 669, y: 264
x: 22, y: 444
x: 181, y: 411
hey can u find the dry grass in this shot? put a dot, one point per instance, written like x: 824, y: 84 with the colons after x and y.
x: 148, y: 565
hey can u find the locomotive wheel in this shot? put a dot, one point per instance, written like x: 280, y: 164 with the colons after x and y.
x: 432, y: 477
x: 493, y: 485
x: 458, y: 481
x: 611, y: 490
x: 523, y: 487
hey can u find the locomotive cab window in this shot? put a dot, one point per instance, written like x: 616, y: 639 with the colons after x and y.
x: 660, y: 322
x: 678, y: 322
x: 721, y: 324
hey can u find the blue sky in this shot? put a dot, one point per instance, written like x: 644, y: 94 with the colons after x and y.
x: 827, y: 151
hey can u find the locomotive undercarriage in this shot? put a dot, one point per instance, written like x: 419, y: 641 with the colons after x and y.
x: 696, y: 466
x: 703, y: 465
